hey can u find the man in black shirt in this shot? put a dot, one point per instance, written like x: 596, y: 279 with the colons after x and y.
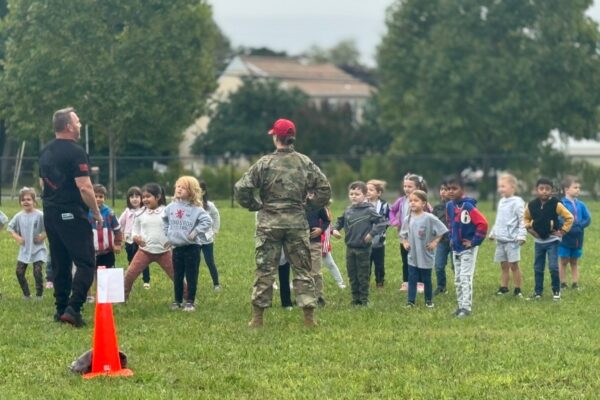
x: 68, y: 195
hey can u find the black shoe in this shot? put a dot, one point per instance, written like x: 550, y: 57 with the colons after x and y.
x: 556, y: 295
x: 429, y: 304
x: 72, y: 317
x: 535, y: 296
x: 56, y: 316
x: 409, y: 304
x: 439, y: 290
x: 575, y: 286
x: 355, y: 303
x: 456, y: 312
x: 564, y: 285
x: 518, y: 292
x: 464, y: 313
x: 321, y: 302
x: 502, y: 290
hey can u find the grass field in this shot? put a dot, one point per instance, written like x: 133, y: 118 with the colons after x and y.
x: 509, y: 349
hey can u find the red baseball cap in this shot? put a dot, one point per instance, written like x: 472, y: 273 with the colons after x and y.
x: 283, y: 127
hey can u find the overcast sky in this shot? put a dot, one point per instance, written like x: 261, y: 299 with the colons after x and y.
x: 295, y: 25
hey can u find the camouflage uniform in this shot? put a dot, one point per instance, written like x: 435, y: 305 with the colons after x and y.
x: 283, y: 180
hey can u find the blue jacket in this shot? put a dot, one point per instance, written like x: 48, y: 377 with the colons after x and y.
x: 581, y: 220
x: 465, y: 222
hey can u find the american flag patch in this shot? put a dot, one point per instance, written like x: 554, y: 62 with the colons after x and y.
x: 83, y: 168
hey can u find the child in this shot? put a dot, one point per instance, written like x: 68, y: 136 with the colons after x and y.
x: 361, y: 223
x: 571, y: 245
x: 468, y: 228
x: 208, y: 247
x: 421, y: 232
x: 148, y: 233
x: 134, y: 206
x: 399, y: 211
x: 187, y: 225
x: 27, y: 228
x: 375, y: 189
x: 443, y: 248
x: 318, y: 221
x: 326, y: 256
x: 108, y: 236
x: 509, y: 233
x: 541, y: 221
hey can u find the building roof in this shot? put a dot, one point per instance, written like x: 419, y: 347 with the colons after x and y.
x: 316, y: 80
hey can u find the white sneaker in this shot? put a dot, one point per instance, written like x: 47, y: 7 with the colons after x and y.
x: 217, y: 288
x: 342, y: 286
x: 420, y: 287
x: 189, y: 307
x: 146, y: 285
x: 91, y: 299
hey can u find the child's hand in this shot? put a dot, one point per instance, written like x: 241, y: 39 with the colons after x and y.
x: 117, y: 248
x: 432, y: 245
x: 315, y: 232
x: 467, y: 244
x: 521, y: 242
x: 192, y: 235
x: 558, y: 233
x: 336, y: 234
x: 368, y: 238
x: 139, y: 241
x: 533, y: 233
x: 167, y: 245
x: 406, y: 245
x: 21, y: 241
x: 491, y: 237
x: 39, y: 239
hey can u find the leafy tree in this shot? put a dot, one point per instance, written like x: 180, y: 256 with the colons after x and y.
x: 485, y: 81
x: 137, y: 71
x: 343, y: 53
x: 240, y: 123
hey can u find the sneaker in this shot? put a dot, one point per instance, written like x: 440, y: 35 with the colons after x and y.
x: 409, y: 304
x: 379, y: 285
x: 439, y: 290
x: 189, y: 307
x: 26, y: 297
x: 288, y: 308
x: 90, y: 299
x: 342, y: 286
x: 463, y: 313
x: 39, y: 298
x: 420, y: 287
x: 575, y: 286
x: 175, y: 306
x: 455, y: 313
x: 217, y: 288
x: 72, y: 317
x: 556, y: 295
x: 564, y: 285
x: 355, y: 303
x: 56, y: 316
x: 535, y: 296
x: 517, y: 292
x: 502, y: 290
x: 404, y: 287
x: 429, y: 304
x: 147, y: 285
x: 321, y: 302
x: 49, y: 285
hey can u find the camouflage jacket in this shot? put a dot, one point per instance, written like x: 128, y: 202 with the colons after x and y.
x: 288, y: 184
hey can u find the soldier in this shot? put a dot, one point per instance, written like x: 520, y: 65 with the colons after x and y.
x: 288, y: 184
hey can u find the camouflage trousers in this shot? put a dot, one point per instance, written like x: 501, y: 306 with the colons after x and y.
x: 269, y: 243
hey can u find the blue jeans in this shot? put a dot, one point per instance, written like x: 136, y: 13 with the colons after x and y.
x: 419, y: 275
x: 539, y: 264
x: 441, y: 259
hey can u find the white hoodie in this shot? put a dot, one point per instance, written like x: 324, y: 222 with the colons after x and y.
x: 510, y: 224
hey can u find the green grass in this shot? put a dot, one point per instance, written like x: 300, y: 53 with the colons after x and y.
x: 508, y: 349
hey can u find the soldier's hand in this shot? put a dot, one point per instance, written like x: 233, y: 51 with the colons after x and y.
x: 368, y: 238
x: 315, y: 232
x: 336, y: 234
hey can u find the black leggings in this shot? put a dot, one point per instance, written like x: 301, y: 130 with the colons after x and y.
x: 186, y: 261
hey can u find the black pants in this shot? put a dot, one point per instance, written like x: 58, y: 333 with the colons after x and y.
x: 37, y: 275
x: 378, y: 258
x: 131, y: 249
x: 186, y: 262
x: 404, y: 255
x: 284, y: 285
x: 209, y: 258
x: 71, y: 241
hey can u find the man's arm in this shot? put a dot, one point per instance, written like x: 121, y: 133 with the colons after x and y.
x: 84, y: 184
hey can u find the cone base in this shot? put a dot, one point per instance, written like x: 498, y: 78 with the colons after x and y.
x: 120, y: 372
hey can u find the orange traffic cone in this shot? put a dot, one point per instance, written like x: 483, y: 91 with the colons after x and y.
x: 105, y: 355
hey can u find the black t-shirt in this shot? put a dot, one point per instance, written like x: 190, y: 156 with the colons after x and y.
x: 61, y: 161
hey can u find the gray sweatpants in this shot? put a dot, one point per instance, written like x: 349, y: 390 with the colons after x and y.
x: 464, y: 269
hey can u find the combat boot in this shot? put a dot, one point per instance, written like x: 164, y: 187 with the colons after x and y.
x: 309, y: 317
x: 257, y: 317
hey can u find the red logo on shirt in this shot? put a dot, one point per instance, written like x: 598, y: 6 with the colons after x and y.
x: 83, y: 168
x: 179, y: 213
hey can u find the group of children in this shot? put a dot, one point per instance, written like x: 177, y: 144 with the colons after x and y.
x: 174, y: 236
x: 428, y: 235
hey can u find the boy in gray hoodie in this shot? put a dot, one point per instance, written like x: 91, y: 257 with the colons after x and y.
x: 361, y: 222
x: 509, y: 233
